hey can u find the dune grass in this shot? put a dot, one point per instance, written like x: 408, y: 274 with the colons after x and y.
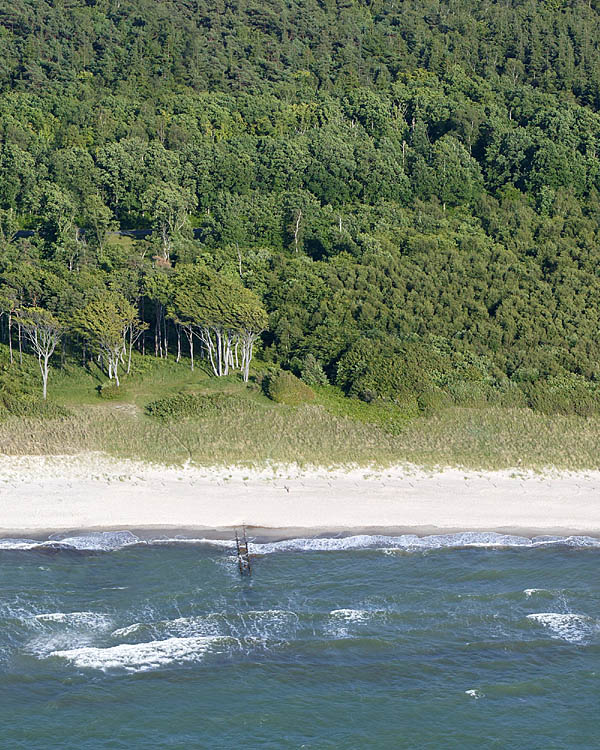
x: 252, y: 433
x: 331, y: 431
x: 499, y: 438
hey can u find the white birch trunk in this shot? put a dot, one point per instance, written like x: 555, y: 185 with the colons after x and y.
x: 10, y: 348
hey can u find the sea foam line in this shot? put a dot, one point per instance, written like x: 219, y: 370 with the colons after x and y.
x: 115, y: 540
x: 78, y: 619
x: 143, y: 657
x: 566, y: 626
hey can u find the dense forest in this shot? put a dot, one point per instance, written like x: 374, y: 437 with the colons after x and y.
x: 398, y: 197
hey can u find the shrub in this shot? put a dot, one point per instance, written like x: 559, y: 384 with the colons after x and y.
x: 19, y: 397
x: 286, y: 388
x: 109, y: 391
x: 433, y: 399
x: 470, y: 393
x: 370, y: 373
x: 186, y: 405
x: 312, y: 372
x: 568, y: 394
x: 508, y: 394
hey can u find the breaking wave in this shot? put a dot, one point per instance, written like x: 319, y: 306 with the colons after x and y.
x: 351, y: 615
x: 109, y: 541
x: 93, y: 541
x: 143, y: 657
x: 567, y: 627
x: 254, y: 625
x: 93, y: 620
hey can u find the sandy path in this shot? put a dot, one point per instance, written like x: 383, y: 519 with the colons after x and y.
x: 39, y: 494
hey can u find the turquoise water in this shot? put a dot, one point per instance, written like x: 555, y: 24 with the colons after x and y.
x: 367, y: 642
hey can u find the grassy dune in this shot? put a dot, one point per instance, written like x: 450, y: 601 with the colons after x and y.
x: 332, y: 430
x: 252, y: 433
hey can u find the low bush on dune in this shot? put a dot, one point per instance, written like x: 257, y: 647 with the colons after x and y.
x: 110, y: 391
x: 19, y: 397
x: 285, y: 388
x: 564, y: 395
x: 186, y: 405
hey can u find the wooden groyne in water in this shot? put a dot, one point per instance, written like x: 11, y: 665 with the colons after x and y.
x: 243, y: 555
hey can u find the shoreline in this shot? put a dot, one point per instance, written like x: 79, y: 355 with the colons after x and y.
x: 263, y: 535
x: 45, y: 495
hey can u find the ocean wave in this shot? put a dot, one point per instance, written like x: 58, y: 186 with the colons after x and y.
x: 351, y: 615
x: 93, y: 620
x: 537, y: 592
x: 566, y: 626
x: 128, y: 630
x: 143, y: 657
x: 342, y: 622
x: 175, y: 540
x: 94, y: 541
x: 109, y: 541
x: 255, y: 625
x: 409, y: 542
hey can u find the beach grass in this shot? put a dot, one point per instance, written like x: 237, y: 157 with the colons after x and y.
x: 331, y: 431
x: 252, y: 433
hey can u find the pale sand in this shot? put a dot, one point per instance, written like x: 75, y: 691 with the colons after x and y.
x: 91, y: 491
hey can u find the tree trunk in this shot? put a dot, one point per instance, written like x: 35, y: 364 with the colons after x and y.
x: 190, y: 337
x: 20, y: 344
x: 226, y: 353
x: 143, y: 343
x: 44, y: 369
x: 10, y: 349
x: 157, y: 342
x: 247, y: 363
x: 166, y: 243
x: 130, y: 348
x: 219, y: 353
x: 206, y: 338
x: 178, y: 330
x: 297, y: 230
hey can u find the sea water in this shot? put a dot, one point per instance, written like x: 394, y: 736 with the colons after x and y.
x: 461, y: 641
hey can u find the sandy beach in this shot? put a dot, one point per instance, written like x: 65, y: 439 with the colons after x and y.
x: 40, y: 494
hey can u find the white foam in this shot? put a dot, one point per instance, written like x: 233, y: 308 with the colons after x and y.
x: 189, y: 626
x: 127, y: 631
x: 256, y: 625
x: 342, y: 622
x: 85, y: 619
x: 115, y: 540
x: 180, y: 627
x: 101, y: 541
x: 368, y: 541
x: 414, y: 542
x: 568, y: 627
x: 143, y: 657
x: 264, y: 628
x: 266, y: 625
x: 18, y: 544
x: 351, y: 615
x: 531, y: 592
x: 476, y: 694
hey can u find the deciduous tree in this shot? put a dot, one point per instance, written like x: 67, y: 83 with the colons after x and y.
x: 106, y: 323
x: 43, y: 331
